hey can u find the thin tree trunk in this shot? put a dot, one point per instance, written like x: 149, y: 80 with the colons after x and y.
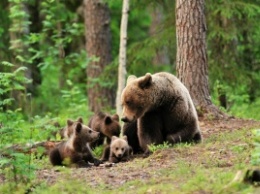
x: 191, y: 64
x: 16, y: 32
x: 122, y: 56
x: 98, y: 47
x: 161, y: 56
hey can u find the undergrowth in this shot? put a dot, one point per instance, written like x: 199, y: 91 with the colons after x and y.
x: 210, y: 167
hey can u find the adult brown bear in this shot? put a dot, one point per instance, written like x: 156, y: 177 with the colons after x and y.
x: 162, y: 108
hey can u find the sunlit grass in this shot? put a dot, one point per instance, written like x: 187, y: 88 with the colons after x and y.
x: 246, y: 110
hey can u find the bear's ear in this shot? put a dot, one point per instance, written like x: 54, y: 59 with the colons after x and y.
x: 115, y: 117
x: 125, y: 138
x: 78, y: 127
x: 108, y: 120
x: 114, y: 138
x: 69, y: 122
x: 130, y: 79
x: 80, y: 120
x: 145, y: 81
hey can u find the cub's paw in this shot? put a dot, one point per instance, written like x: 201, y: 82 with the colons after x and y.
x: 97, y: 162
x: 147, y: 153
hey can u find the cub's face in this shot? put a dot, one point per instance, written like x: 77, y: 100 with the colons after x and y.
x: 119, y: 146
x: 111, y: 126
x: 85, y: 133
x: 135, y: 97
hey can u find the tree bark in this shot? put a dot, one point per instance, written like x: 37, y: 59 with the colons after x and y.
x: 191, y: 64
x: 122, y: 56
x: 98, y: 47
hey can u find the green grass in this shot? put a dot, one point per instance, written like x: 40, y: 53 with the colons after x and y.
x: 246, y: 110
x: 209, y: 167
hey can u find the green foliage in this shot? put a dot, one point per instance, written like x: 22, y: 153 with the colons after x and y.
x: 60, y: 30
x: 10, y: 82
x: 255, y: 160
x: 15, y: 166
x: 97, y: 152
x: 233, y: 45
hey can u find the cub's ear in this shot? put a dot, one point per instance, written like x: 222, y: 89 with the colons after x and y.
x: 130, y: 79
x: 108, y: 120
x: 114, y: 138
x: 78, y: 127
x: 145, y: 81
x: 115, y: 117
x: 69, y: 122
x: 125, y: 138
x: 80, y: 120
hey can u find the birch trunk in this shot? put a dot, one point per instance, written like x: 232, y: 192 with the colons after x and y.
x: 122, y: 56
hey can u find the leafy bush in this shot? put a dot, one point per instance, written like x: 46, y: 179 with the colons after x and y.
x: 11, y: 81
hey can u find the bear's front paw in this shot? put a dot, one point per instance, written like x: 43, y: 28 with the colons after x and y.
x: 97, y: 162
x: 147, y: 153
x: 125, y: 159
x: 113, y: 160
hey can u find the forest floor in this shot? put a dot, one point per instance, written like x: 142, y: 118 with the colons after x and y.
x: 208, y: 167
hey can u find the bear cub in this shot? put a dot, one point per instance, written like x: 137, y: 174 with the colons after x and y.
x: 75, y: 151
x: 119, y: 150
x: 107, y: 125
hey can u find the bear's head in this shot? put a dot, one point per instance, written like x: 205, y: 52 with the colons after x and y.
x: 79, y: 130
x: 80, y: 136
x: 66, y: 131
x: 135, y: 97
x: 85, y: 133
x: 111, y: 126
x: 119, y: 146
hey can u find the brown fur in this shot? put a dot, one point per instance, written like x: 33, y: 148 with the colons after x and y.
x: 130, y: 130
x: 119, y: 150
x: 162, y: 108
x: 107, y: 125
x: 66, y: 131
x: 75, y: 151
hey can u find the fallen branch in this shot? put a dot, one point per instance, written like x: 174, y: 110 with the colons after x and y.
x: 29, y: 148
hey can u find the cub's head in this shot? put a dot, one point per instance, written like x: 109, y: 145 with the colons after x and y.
x: 111, y: 126
x: 85, y: 133
x: 81, y: 131
x: 67, y: 131
x: 119, y: 146
x: 135, y: 97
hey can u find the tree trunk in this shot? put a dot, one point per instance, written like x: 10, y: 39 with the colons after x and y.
x: 191, y: 64
x: 98, y: 47
x: 122, y: 56
x: 161, y: 54
x: 35, y: 27
x: 17, y: 31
